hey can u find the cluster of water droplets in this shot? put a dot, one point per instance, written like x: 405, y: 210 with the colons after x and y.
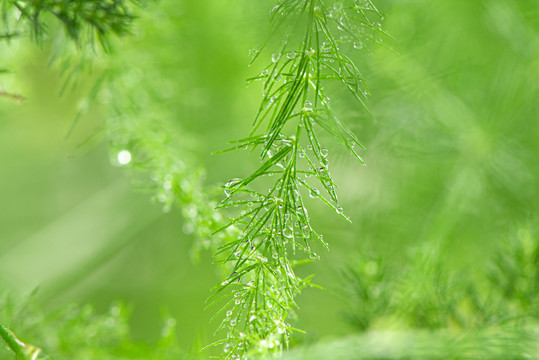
x: 165, y: 191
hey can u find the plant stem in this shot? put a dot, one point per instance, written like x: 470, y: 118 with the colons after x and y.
x: 22, y: 351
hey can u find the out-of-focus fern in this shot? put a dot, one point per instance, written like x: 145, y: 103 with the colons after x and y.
x: 85, y: 23
x: 427, y: 311
x: 78, y: 332
x: 83, y: 20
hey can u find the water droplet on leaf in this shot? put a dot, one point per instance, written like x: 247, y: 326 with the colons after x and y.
x: 124, y: 157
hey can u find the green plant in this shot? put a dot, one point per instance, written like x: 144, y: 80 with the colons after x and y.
x: 426, y: 310
x: 78, y: 332
x: 261, y: 286
x: 441, y: 176
x: 83, y: 21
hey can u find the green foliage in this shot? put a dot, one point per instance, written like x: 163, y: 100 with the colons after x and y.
x: 448, y: 173
x: 261, y: 286
x: 82, y: 20
x: 78, y: 333
x: 442, y: 313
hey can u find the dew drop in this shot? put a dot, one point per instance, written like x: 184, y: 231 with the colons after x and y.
x: 253, y: 53
x: 291, y: 55
x: 124, y: 157
x: 358, y: 45
x: 308, y: 106
x: 275, y: 57
x: 230, y: 184
x: 188, y: 228
x: 288, y: 232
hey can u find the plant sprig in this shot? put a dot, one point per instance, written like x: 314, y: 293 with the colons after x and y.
x: 22, y: 351
x: 94, y: 19
x: 257, y: 296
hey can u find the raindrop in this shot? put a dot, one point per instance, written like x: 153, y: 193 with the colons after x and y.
x: 308, y: 106
x: 314, y: 193
x: 188, y: 228
x: 288, y: 232
x: 291, y: 55
x: 275, y: 57
x: 228, y: 313
x: 124, y: 157
x: 324, y: 152
x: 167, y: 185
x: 306, y: 231
x: 230, y: 185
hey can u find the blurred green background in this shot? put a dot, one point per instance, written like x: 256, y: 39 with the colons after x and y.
x: 452, y: 153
